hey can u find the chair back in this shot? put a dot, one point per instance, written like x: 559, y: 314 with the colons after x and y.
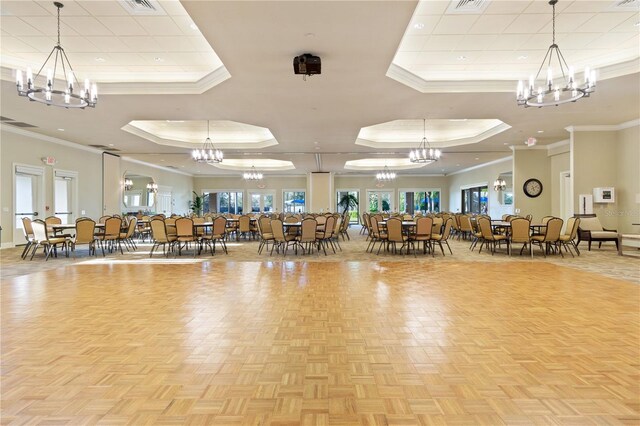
x: 394, y: 230
x: 437, y: 225
x: 554, y: 226
x: 328, y: 226
x: 184, y: 227
x: 244, y: 223
x: 39, y: 230
x: 278, y: 230
x: 447, y: 229
x: 375, y: 229
x: 321, y: 220
x: 424, y: 226
x: 336, y: 227
x: 220, y: 225
x: 546, y: 219
x: 52, y: 220
x: 529, y: 217
x: 103, y: 219
x: 308, y: 231
x: 520, y: 230
x: 407, y: 217
x: 112, y: 226
x: 465, y: 223
x: 85, y: 230
x: 198, y: 230
x: 159, y: 231
x: 131, y: 226
x: 26, y: 228
x: 265, y: 224
x: 485, y: 228
x: 573, y: 223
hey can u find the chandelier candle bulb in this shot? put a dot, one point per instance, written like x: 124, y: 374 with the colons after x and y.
x: 19, y: 81
x: 29, y: 78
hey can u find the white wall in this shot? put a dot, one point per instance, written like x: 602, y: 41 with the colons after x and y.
x: 484, y: 175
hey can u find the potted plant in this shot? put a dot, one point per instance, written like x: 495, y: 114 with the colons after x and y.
x: 347, y: 202
x: 197, y: 204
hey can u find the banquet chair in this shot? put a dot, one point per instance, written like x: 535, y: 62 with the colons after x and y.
x: 466, y: 230
x: 42, y: 239
x: 438, y: 221
x: 324, y: 235
x: 219, y: 233
x: 111, y: 235
x: 335, y: 235
x: 282, y: 241
x: 344, y: 228
x: 127, y: 237
x: 307, y: 238
x: 490, y: 238
x: 85, y: 230
x: 185, y: 235
x: 161, y: 237
x: 244, y: 226
x: 551, y: 237
x: 27, y: 230
x: 520, y: 234
x: 568, y: 239
x: 265, y: 232
x: 443, y: 237
x: 377, y: 236
x: 395, y: 236
x: 424, y: 225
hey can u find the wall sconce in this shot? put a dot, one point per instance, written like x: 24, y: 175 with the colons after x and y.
x: 128, y: 184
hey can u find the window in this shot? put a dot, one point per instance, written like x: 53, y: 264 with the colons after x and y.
x: 380, y: 201
x: 427, y: 201
x: 354, y: 213
x: 475, y: 200
x: 294, y: 201
x: 261, y: 202
x: 223, y: 202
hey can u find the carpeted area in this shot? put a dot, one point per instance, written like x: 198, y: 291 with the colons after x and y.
x: 604, y: 261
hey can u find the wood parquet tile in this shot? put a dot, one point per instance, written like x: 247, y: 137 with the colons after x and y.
x: 344, y: 343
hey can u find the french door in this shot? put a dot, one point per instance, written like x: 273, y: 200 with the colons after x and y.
x: 262, y: 201
x: 64, y: 195
x: 380, y: 201
x: 28, y: 197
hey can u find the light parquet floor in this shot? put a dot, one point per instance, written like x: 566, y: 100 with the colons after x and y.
x: 320, y: 343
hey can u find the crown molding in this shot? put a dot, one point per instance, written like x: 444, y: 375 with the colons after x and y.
x: 528, y: 148
x: 49, y: 139
x: 604, y: 127
x: 479, y: 166
x: 198, y: 87
x: 402, y: 75
x: 361, y: 175
x: 155, y: 166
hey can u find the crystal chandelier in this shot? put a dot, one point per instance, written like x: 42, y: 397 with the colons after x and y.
x: 252, y: 174
x: 152, y: 187
x: 549, y: 94
x: 499, y: 184
x: 128, y: 184
x: 48, y: 94
x: 385, y: 175
x: 208, y: 153
x: 424, y: 153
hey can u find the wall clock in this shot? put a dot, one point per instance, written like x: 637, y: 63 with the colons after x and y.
x: 532, y: 187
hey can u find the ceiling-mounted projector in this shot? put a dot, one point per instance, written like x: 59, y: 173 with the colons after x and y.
x: 306, y: 64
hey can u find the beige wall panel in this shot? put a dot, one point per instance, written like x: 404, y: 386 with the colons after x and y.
x: 527, y: 164
x: 595, y: 163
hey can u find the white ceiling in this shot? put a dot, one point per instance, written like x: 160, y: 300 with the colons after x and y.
x: 106, y: 42
x: 317, y: 122
x: 510, y: 38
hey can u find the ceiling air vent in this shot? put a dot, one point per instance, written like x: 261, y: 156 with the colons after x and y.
x: 19, y: 124
x: 626, y: 5
x: 142, y: 7
x: 6, y: 119
x: 99, y: 146
x: 467, y: 6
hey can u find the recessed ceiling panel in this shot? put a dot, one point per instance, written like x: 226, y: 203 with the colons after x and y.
x: 439, y: 45
x: 261, y: 164
x: 106, y: 41
x: 380, y: 163
x: 439, y: 133
x: 192, y: 133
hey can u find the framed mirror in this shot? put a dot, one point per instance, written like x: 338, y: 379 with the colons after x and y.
x: 139, y: 191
